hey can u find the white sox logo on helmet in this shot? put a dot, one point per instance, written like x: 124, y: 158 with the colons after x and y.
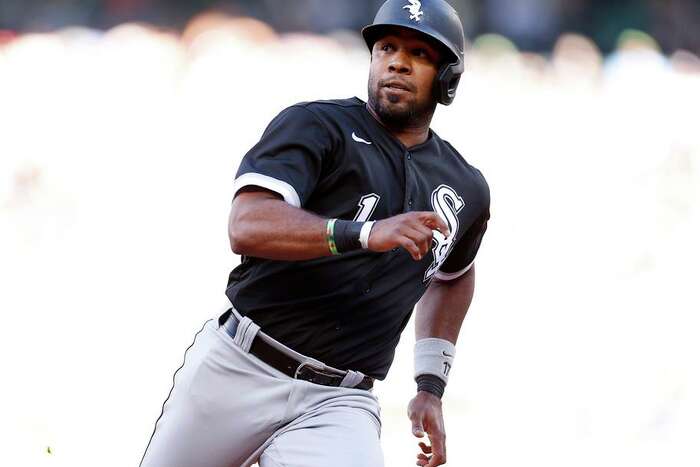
x: 414, y: 8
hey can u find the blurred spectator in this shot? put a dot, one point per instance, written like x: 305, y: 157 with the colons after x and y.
x: 676, y: 24
x: 532, y: 25
x: 38, y: 15
x: 605, y: 20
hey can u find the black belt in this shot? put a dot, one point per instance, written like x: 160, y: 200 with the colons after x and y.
x: 287, y: 364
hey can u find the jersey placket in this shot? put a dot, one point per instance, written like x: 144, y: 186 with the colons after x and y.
x: 410, y: 181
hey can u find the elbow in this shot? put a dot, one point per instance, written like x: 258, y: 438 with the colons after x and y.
x: 246, y: 231
x: 246, y: 223
x: 236, y: 242
x: 239, y: 238
x: 239, y: 234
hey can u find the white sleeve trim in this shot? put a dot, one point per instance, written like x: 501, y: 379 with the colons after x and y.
x: 450, y: 276
x: 286, y: 190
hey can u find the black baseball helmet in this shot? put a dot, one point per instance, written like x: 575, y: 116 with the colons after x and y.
x: 434, y: 18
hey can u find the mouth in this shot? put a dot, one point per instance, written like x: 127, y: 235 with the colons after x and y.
x: 396, y: 86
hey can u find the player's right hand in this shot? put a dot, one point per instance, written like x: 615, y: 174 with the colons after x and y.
x: 412, y: 231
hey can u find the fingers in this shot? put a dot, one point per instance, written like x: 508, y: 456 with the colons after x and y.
x: 416, y: 420
x: 426, y: 418
x: 437, y: 443
x: 418, y: 431
x: 421, y: 237
x: 424, y: 459
x: 435, y: 222
x: 412, y: 231
x: 410, y: 246
x: 425, y: 235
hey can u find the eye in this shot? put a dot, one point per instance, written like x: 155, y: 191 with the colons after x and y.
x: 420, y: 52
x: 387, y: 47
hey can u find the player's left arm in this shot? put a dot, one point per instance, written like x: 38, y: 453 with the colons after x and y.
x: 439, y: 316
x: 441, y: 310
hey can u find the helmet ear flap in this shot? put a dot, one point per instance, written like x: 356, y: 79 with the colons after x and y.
x: 446, y: 83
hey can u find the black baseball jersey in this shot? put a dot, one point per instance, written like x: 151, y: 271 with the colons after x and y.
x: 335, y: 159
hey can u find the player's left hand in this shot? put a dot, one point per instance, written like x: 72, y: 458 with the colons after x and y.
x: 425, y: 413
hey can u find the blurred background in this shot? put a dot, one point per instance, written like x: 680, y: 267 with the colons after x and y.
x: 533, y: 25
x: 122, y: 123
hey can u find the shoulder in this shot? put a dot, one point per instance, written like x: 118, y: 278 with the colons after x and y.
x: 473, y: 175
x: 326, y: 114
x: 311, y: 119
x: 326, y: 110
x: 332, y: 104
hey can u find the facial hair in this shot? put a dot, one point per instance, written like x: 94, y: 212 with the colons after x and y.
x: 415, y: 114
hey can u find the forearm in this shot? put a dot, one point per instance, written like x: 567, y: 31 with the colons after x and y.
x: 442, y: 309
x: 264, y: 226
x: 267, y: 227
x: 439, y: 316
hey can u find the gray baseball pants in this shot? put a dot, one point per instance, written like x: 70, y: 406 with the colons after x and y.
x: 229, y: 409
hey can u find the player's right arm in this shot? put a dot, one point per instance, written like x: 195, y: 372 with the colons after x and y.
x: 276, y: 178
x: 263, y: 225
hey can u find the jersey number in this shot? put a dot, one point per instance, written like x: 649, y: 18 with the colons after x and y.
x: 367, y: 205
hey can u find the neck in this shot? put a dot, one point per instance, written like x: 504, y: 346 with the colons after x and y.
x: 410, y: 135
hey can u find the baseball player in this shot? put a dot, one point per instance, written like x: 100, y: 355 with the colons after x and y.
x: 346, y: 214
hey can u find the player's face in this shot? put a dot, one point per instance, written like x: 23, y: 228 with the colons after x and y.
x: 402, y: 73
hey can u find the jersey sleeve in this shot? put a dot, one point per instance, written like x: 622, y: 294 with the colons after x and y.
x: 462, y: 257
x: 289, y: 156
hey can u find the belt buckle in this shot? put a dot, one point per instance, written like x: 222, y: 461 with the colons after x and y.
x: 309, y: 365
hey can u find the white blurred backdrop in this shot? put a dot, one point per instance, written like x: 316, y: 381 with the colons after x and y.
x: 117, y: 155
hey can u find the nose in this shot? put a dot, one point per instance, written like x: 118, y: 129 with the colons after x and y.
x: 400, y: 63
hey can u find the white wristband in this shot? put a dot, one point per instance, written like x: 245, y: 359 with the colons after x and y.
x: 364, y: 234
x: 434, y: 356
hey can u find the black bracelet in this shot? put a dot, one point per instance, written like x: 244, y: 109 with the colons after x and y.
x: 431, y: 384
x: 347, y: 235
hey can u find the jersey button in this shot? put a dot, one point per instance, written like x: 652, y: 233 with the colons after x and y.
x: 409, y: 157
x: 410, y: 203
x: 367, y: 290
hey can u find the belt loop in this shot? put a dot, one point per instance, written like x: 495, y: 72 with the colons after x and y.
x: 224, y: 317
x: 352, y: 379
x: 246, y: 332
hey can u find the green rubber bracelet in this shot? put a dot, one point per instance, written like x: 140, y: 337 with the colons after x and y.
x: 329, y: 237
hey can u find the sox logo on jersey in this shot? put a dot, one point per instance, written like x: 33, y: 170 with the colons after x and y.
x: 447, y: 204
